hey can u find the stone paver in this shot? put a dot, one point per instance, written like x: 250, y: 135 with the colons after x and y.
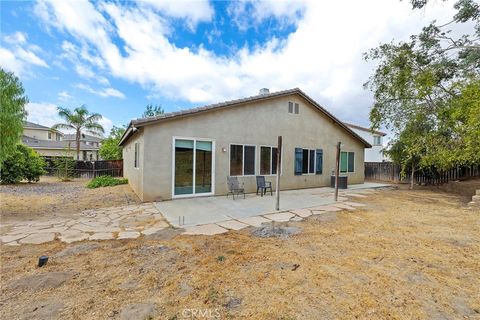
x: 343, y: 206
x: 280, y: 217
x: 38, y: 238
x: 356, y: 195
x: 302, y: 212
x: 101, y: 236
x: 354, y: 204
x: 71, y: 236
x: 206, y: 229
x: 152, y: 230
x: 315, y: 212
x: 255, y: 221
x: 13, y: 237
x: 326, y: 208
x: 232, y: 224
x: 128, y: 235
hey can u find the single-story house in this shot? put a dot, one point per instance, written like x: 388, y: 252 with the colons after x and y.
x: 192, y: 152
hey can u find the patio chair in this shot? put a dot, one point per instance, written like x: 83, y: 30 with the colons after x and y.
x: 234, y: 187
x: 263, y: 186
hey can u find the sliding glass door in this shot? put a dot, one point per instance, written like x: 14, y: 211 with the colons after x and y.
x: 193, y: 167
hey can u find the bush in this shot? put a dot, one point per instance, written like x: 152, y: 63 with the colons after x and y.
x: 64, y: 168
x: 23, y: 164
x: 105, y: 181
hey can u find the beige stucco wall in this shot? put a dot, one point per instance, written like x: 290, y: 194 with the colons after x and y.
x: 135, y: 175
x: 258, y: 124
x: 40, y: 134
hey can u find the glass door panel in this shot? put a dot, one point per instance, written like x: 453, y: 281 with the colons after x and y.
x: 203, y: 167
x: 183, y: 167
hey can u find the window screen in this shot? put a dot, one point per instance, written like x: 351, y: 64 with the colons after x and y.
x: 290, y: 107
x: 249, y: 166
x: 236, y: 160
x: 297, y: 107
x: 265, y: 160
x: 347, y: 161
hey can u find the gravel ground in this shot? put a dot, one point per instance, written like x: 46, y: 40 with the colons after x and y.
x: 52, y: 198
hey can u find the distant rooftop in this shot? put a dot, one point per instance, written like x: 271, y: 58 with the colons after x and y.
x: 84, y: 137
x: 29, y: 124
x: 380, y: 133
x: 53, y: 144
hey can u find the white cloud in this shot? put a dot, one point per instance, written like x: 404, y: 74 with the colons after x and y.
x: 322, y: 56
x: 192, y: 11
x: 46, y: 114
x: 104, y: 92
x: 64, y: 96
x: 19, y: 56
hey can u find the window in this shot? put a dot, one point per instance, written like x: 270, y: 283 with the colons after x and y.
x: 49, y: 135
x: 308, y: 161
x: 57, y: 137
x: 136, y: 162
x: 347, y: 161
x: 242, y: 160
x: 268, y: 160
x: 293, y: 108
x: 377, y: 140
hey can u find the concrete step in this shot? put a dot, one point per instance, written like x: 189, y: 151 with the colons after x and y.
x: 476, y: 198
x: 474, y: 204
x: 478, y: 192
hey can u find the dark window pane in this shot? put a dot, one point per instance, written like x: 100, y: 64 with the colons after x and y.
x: 351, y: 161
x: 296, y: 108
x: 183, y: 167
x: 298, y: 161
x: 249, y: 166
x: 265, y: 160
x: 236, y: 160
x: 311, y: 167
x: 305, y: 161
x: 203, y: 167
x: 343, y: 161
x: 274, y: 160
x: 319, y: 163
x: 290, y: 107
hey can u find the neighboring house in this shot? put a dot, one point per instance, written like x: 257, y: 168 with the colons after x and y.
x: 192, y: 152
x: 375, y: 138
x: 49, y: 142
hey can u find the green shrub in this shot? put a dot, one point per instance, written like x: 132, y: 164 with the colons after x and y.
x: 64, y: 167
x: 106, y: 181
x: 23, y: 164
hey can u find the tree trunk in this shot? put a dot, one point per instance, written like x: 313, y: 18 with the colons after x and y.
x: 412, y: 178
x: 77, y: 139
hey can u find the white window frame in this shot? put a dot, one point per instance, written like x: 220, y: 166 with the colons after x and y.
x: 314, y: 162
x: 243, y: 159
x: 340, y: 162
x: 194, y: 194
x: 271, y: 157
x: 379, y: 140
x: 49, y: 135
x: 136, y: 155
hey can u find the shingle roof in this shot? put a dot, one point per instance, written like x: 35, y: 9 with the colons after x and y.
x: 85, y: 137
x: 29, y: 124
x: 365, y: 129
x: 53, y: 144
x: 233, y: 103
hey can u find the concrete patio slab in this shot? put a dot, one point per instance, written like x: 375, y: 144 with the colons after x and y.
x: 205, y: 210
x: 255, y: 221
x: 206, y: 229
x: 280, y: 217
x: 232, y: 224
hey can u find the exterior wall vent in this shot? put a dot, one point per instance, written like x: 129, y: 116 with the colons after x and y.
x: 264, y: 91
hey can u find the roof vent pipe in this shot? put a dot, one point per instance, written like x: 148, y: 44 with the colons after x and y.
x: 264, y: 91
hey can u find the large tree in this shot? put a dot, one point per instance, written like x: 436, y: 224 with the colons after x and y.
x: 425, y: 90
x: 12, y: 113
x: 110, y: 150
x: 79, y: 120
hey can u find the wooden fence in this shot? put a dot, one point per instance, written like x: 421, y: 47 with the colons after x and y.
x: 388, y: 171
x: 90, y: 169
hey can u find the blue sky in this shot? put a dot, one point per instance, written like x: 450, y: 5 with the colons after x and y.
x: 117, y: 57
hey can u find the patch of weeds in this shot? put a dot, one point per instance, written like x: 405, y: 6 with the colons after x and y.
x: 221, y: 258
x: 105, y: 181
x: 212, y: 295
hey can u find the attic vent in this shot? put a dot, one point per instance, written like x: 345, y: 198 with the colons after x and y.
x: 264, y: 91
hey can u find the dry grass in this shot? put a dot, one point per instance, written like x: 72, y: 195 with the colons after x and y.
x: 406, y: 255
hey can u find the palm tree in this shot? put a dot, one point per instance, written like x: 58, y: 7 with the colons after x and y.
x: 79, y: 119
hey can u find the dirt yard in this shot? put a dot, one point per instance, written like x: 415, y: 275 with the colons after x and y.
x: 406, y: 255
x: 52, y: 198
